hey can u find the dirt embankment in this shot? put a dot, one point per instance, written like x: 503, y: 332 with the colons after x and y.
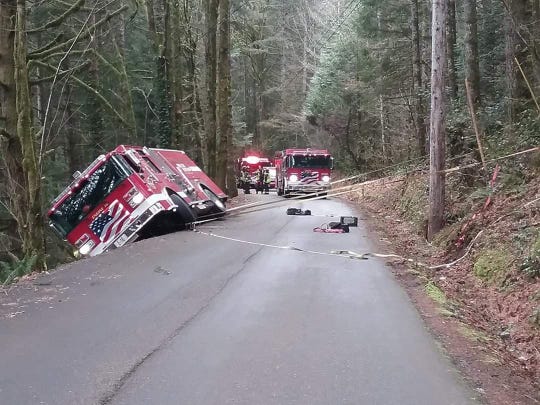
x: 486, y: 307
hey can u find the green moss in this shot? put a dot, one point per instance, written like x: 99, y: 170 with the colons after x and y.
x: 491, y: 359
x: 446, y: 308
x: 473, y: 334
x: 435, y: 293
x: 492, y: 264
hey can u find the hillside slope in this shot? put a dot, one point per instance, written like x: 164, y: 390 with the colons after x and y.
x: 493, y: 291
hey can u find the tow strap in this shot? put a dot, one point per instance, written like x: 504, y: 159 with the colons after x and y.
x: 348, y: 254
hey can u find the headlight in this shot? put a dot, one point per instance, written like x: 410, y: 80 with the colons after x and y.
x: 326, y: 179
x: 87, y: 248
x: 293, y: 177
x: 134, y: 197
x: 138, y: 198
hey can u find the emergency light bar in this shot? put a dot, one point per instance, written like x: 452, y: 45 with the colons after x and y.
x: 252, y: 160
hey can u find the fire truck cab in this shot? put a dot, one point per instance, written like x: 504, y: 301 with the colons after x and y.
x: 129, y: 192
x: 303, y: 171
x: 252, y: 164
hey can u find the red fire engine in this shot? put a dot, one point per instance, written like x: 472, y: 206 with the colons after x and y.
x: 253, y: 164
x: 128, y: 192
x: 303, y: 171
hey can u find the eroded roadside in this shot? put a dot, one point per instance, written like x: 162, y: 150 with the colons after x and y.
x: 454, y: 311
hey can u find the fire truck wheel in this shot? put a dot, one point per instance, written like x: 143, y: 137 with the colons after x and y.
x: 219, y: 206
x: 286, y: 193
x: 183, y: 212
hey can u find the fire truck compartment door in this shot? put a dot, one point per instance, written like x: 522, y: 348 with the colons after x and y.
x: 181, y: 162
x: 133, y: 158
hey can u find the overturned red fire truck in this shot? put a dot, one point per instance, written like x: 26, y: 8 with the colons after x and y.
x: 303, y: 171
x: 133, y: 192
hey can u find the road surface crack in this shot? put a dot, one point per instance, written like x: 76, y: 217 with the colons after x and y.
x: 109, y: 396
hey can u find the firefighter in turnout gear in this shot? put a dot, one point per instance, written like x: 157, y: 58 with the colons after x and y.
x: 260, y: 181
x: 266, y: 181
x: 245, y: 180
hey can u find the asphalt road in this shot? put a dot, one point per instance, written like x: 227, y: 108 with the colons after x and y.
x: 193, y: 319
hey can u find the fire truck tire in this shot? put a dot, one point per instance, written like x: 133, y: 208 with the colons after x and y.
x: 183, y: 211
x: 219, y: 206
x: 286, y: 193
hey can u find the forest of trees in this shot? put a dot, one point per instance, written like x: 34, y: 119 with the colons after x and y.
x: 78, y: 77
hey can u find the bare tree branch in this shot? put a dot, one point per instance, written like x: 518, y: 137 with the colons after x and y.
x: 60, y: 19
x: 106, y: 62
x: 103, y: 99
x: 46, y: 52
x: 92, y: 90
x: 51, y: 43
x: 60, y: 74
x: 56, y: 71
x: 62, y: 53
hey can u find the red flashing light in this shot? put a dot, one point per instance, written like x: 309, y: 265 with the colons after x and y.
x: 252, y: 160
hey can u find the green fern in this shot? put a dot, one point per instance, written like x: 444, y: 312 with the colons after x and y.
x: 10, y: 271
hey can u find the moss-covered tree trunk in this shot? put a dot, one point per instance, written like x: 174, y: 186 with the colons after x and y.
x: 194, y: 120
x: 451, y: 49
x: 418, y: 85
x: 72, y: 141
x: 535, y: 46
x: 94, y: 110
x: 516, y: 50
x: 10, y: 147
x: 18, y: 147
x: 472, y: 64
x: 211, y: 14
x: 174, y: 44
x: 225, y: 167
x: 223, y: 93
x: 437, y: 136
x: 119, y: 39
x: 32, y: 227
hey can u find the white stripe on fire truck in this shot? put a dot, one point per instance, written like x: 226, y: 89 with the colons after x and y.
x: 192, y: 169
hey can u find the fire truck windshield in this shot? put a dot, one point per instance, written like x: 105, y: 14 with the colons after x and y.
x: 312, y: 162
x: 86, y: 197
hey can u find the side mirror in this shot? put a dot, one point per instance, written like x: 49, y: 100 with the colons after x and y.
x: 331, y: 163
